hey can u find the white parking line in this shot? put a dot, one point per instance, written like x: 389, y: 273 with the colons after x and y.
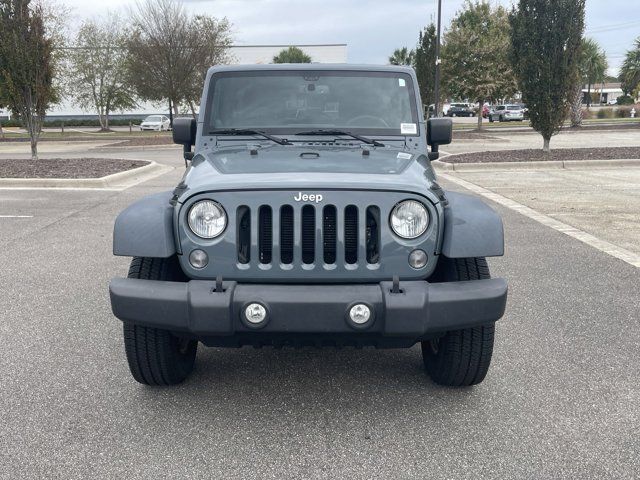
x: 16, y: 216
x: 602, y: 245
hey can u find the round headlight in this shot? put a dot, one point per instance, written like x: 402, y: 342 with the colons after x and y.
x: 207, y: 219
x: 409, y: 219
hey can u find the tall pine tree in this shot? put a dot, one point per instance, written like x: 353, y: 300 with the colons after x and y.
x: 546, y: 36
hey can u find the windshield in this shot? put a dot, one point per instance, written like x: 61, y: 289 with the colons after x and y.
x: 367, y: 103
x: 153, y: 118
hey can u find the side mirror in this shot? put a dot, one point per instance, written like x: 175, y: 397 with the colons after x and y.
x: 184, y: 133
x: 439, y: 132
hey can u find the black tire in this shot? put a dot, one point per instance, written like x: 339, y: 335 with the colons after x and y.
x: 156, y: 356
x: 460, y: 358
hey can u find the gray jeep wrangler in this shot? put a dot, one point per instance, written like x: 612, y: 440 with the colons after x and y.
x: 309, y: 214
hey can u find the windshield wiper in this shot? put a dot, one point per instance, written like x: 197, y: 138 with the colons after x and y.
x: 366, y: 140
x: 241, y: 131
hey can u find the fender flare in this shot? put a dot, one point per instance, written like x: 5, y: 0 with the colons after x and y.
x: 145, y: 228
x: 471, y: 228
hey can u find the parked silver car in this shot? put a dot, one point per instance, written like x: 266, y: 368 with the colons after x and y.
x: 507, y: 113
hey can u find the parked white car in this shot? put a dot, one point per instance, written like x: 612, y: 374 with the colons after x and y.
x: 158, y: 123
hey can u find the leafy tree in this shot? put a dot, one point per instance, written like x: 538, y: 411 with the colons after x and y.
x: 546, y: 36
x: 98, y: 68
x: 425, y: 62
x: 292, y: 55
x: 630, y: 70
x: 27, y: 63
x: 170, y: 51
x: 592, y: 69
x: 402, y: 56
x: 475, y: 55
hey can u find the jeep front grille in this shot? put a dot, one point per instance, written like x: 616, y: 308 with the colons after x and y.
x: 326, y: 234
x: 272, y: 238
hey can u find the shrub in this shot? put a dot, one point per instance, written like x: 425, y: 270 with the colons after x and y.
x: 586, y: 114
x: 624, y: 100
x: 605, y: 113
x: 623, y: 112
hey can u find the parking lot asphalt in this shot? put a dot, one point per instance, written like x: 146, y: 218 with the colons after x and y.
x: 561, y: 399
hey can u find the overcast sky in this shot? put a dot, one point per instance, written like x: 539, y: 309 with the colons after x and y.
x: 372, y: 29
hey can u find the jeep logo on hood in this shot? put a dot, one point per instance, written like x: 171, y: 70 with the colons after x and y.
x: 308, y: 197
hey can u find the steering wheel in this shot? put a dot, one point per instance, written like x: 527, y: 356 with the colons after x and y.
x: 356, y: 120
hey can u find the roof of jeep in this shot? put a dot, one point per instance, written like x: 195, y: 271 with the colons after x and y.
x: 311, y: 66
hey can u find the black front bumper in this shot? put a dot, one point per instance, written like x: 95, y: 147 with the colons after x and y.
x: 419, y: 310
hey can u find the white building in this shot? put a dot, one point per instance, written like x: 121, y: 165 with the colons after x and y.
x: 240, y: 54
x: 5, y: 114
x: 605, y: 92
x: 248, y: 54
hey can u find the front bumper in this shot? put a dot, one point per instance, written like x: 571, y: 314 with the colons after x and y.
x: 419, y: 310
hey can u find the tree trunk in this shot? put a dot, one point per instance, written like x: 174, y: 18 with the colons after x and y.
x: 193, y: 109
x: 34, y: 147
x: 480, y: 107
x: 588, y: 95
x: 1, y: 131
x: 576, y: 106
x: 176, y: 112
x: 106, y: 121
x: 545, y: 146
x: 101, y: 120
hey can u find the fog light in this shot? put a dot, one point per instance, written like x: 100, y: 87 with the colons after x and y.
x: 255, y: 313
x: 360, y: 313
x: 198, y: 259
x: 418, y: 258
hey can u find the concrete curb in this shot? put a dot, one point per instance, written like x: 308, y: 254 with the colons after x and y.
x: 550, y: 165
x: 119, y: 181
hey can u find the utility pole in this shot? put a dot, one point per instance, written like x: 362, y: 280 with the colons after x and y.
x: 437, y: 85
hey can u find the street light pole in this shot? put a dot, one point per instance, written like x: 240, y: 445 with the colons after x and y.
x: 437, y: 83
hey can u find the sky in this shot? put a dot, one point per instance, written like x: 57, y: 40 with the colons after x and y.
x: 372, y: 29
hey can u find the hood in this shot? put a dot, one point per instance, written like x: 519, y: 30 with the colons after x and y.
x: 298, y: 167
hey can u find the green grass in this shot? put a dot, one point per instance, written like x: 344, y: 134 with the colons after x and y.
x: 91, y: 135
x: 497, y: 125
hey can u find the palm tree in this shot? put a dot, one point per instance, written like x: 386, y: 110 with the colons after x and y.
x: 402, y: 56
x: 292, y: 55
x: 593, y: 65
x: 630, y: 70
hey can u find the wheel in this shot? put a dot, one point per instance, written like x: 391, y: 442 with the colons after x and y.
x: 460, y: 358
x: 156, y: 356
x: 501, y: 118
x: 453, y: 114
x: 490, y: 119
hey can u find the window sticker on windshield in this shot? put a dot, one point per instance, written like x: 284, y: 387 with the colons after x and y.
x: 402, y: 82
x: 408, y: 128
x: 404, y: 156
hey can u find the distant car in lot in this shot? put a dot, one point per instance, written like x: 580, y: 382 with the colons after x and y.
x: 159, y: 123
x: 461, y: 110
x: 507, y: 113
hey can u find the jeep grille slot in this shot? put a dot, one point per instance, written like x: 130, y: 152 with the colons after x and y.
x: 351, y: 234
x: 243, y: 216
x: 308, y: 230
x: 373, y: 234
x: 286, y: 234
x: 329, y: 230
x: 265, y: 234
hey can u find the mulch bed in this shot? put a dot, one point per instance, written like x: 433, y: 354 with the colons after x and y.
x: 537, y: 155
x: 66, y: 167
